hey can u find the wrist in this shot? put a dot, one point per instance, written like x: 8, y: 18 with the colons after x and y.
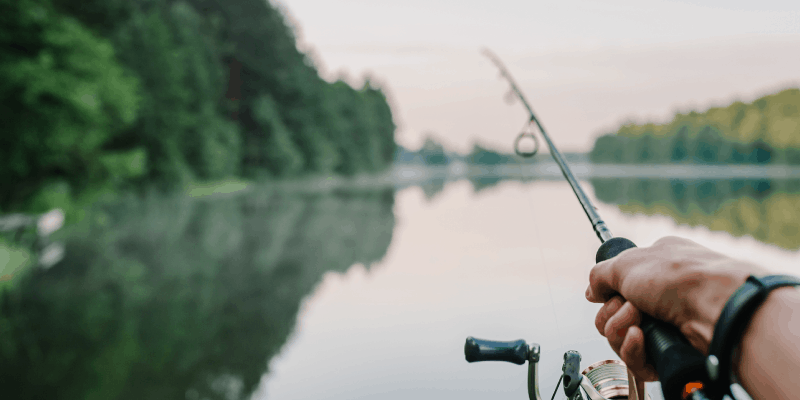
x: 753, y: 308
x: 766, y: 352
x: 720, y: 286
x: 710, y: 303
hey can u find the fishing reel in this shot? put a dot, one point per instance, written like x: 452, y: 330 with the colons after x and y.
x: 604, y: 380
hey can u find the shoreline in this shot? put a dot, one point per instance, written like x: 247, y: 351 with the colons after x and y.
x: 402, y: 176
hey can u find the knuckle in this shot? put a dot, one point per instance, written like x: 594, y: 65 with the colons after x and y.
x: 611, y: 330
x: 667, y: 241
x: 615, y: 348
x: 599, y: 319
x: 625, y: 354
x: 636, y: 316
x: 608, y: 331
x: 600, y: 323
x: 607, y: 311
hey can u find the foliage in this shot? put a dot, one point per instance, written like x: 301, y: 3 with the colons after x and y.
x: 65, y: 97
x: 270, y: 144
x: 433, y: 152
x: 481, y: 155
x: 405, y: 156
x: 107, y: 94
x: 765, y: 131
x: 181, y: 124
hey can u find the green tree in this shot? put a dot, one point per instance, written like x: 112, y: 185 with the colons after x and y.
x: 607, y: 149
x: 680, y: 145
x: 269, y: 148
x: 481, y: 155
x: 433, y: 152
x: 710, y: 147
x: 646, y: 148
x: 118, y: 92
x: 181, y: 123
x: 760, y: 152
x: 65, y: 97
x: 765, y: 131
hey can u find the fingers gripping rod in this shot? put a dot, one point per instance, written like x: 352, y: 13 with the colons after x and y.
x: 598, y: 225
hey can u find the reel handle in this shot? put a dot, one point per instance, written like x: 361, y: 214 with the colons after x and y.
x: 516, y: 351
x: 675, y: 360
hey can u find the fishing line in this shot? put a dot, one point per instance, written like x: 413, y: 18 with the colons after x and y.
x: 546, y: 267
x: 528, y: 132
x: 556, y: 390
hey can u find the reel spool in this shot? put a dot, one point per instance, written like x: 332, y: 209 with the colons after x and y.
x: 609, y: 378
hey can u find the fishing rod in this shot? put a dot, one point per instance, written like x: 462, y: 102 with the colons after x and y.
x: 681, y: 368
x: 600, y: 228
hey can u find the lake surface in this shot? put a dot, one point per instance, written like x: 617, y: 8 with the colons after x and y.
x: 352, y: 294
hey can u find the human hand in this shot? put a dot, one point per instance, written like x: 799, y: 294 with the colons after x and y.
x: 675, y: 280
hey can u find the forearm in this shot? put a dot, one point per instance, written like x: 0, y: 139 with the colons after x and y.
x: 770, y: 348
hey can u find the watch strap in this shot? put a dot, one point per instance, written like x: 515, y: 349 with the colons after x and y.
x: 731, y: 325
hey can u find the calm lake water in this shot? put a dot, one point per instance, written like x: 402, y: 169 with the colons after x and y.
x: 359, y: 294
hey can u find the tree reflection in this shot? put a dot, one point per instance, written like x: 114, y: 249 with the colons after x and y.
x: 432, y: 187
x: 172, y: 298
x: 483, y: 182
x: 767, y: 210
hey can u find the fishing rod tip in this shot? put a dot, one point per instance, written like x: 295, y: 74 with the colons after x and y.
x: 488, y: 53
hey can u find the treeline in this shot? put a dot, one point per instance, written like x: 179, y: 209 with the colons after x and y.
x: 100, y: 94
x: 482, y: 155
x: 434, y: 153
x: 431, y: 153
x: 766, y: 131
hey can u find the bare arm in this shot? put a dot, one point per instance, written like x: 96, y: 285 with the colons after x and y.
x: 770, y: 348
x: 687, y: 285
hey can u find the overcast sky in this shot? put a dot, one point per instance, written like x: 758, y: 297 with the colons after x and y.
x: 586, y: 66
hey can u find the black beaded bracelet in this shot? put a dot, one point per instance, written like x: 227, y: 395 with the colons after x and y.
x: 730, y: 327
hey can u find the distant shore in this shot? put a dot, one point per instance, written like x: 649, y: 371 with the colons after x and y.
x: 400, y: 176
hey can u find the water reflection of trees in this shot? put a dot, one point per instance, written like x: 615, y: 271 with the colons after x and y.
x: 180, y: 298
x: 432, y: 187
x: 767, y: 210
x: 481, y: 183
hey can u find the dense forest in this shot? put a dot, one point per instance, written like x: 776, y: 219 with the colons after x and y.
x: 766, y: 131
x: 101, y: 95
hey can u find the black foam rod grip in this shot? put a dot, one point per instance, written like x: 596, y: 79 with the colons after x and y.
x: 488, y: 350
x: 612, y: 247
x: 675, y: 360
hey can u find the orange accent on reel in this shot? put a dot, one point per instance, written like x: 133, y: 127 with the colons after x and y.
x: 690, y: 388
